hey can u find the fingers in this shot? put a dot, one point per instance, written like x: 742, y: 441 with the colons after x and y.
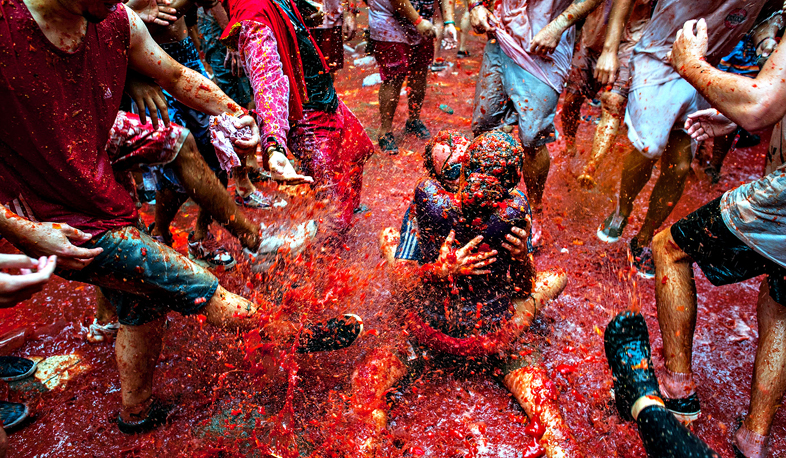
x: 450, y: 239
x: 687, y: 29
x: 74, y: 234
x: 469, y: 247
x: 160, y: 104
x: 480, y: 257
x: 17, y: 261
x: 701, y: 29
x: 151, y: 106
x: 74, y: 263
x: 140, y: 104
x: 73, y: 251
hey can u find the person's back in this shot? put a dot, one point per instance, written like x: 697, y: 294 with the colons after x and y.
x: 58, y: 110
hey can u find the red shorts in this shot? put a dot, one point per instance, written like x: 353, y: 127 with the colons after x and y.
x: 331, y: 43
x: 132, y: 143
x: 401, y: 59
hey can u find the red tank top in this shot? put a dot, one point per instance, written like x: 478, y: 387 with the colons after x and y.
x: 57, y: 109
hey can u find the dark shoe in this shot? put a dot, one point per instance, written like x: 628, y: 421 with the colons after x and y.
x: 685, y: 409
x: 208, y: 253
x: 642, y: 259
x: 439, y: 65
x: 15, y: 368
x: 611, y: 229
x: 462, y: 54
x: 627, y: 345
x: 712, y: 173
x: 746, y: 139
x: 417, y: 128
x: 12, y: 414
x: 334, y: 334
x: 388, y: 144
x: 158, y: 238
x: 155, y: 417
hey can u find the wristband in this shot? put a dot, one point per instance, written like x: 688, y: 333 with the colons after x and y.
x: 449, y: 23
x: 420, y: 19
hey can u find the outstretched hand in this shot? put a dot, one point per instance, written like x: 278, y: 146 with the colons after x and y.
x: 148, y: 97
x: 449, y: 37
x: 281, y: 170
x: 705, y: 124
x: 153, y: 11
x: 517, y: 244
x: 607, y: 67
x: 17, y: 288
x: 546, y: 41
x: 48, y: 239
x: 463, y: 261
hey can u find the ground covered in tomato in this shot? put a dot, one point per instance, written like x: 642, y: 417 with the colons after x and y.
x: 237, y: 396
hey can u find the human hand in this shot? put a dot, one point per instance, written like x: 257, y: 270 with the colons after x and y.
x: 233, y: 63
x: 688, y: 47
x: 606, y: 68
x: 463, y: 261
x: 546, y: 41
x: 517, y: 243
x: 47, y: 239
x: 350, y: 26
x: 148, y: 97
x: 426, y: 29
x: 245, y: 146
x: 153, y: 11
x: 482, y: 20
x: 766, y: 47
x: 17, y: 288
x: 705, y: 124
x: 281, y: 170
x: 449, y: 37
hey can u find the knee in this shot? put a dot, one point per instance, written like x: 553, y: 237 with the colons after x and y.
x: 613, y: 103
x: 665, y: 250
x: 189, y: 151
x: 678, y: 169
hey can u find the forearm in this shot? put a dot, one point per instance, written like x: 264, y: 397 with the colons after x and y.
x: 199, y: 93
x: 577, y: 11
x: 620, y: 13
x: 405, y: 8
x: 448, y: 10
x: 220, y: 14
x: 12, y: 226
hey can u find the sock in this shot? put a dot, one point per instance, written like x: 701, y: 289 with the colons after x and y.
x: 752, y: 445
x: 665, y: 437
x: 677, y: 385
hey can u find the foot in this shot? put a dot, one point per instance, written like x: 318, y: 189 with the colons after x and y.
x: 547, y: 286
x: 627, y: 345
x: 642, y: 259
x: 99, y: 333
x: 155, y: 416
x: 439, y: 65
x: 16, y: 368
x: 256, y: 200
x: 747, y: 444
x: 334, y: 334
x: 388, y: 144
x: 594, y: 103
x: 208, y: 253
x: 462, y: 54
x: 13, y: 414
x: 686, y: 409
x: 417, y: 128
x: 746, y: 139
x: 611, y: 229
x: 292, y: 242
x: 586, y: 181
x: 712, y: 173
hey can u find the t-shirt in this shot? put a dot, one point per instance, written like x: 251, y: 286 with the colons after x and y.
x: 58, y: 108
x: 388, y: 25
x: 520, y: 21
x: 334, y: 14
x: 727, y: 22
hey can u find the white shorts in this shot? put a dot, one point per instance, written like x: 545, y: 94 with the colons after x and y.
x: 654, y: 111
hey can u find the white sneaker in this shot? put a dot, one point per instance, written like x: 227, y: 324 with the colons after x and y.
x: 270, y: 246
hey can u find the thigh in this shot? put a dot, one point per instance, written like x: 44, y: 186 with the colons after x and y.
x: 420, y: 57
x: 534, y: 101
x: 491, y: 104
x: 582, y: 74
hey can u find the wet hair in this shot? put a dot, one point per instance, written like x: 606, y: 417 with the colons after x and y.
x: 493, y: 168
x: 448, y: 137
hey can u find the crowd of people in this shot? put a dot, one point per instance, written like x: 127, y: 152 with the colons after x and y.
x: 109, y: 105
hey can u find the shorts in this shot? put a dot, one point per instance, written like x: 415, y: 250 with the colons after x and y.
x: 507, y: 94
x: 331, y: 43
x: 721, y: 255
x: 144, y: 279
x: 400, y: 59
x: 132, y: 143
x: 582, y: 74
x: 654, y: 111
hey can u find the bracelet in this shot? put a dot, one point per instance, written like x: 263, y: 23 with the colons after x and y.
x: 474, y: 5
x: 449, y: 23
x: 420, y: 19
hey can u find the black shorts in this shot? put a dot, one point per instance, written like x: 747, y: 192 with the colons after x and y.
x: 721, y: 255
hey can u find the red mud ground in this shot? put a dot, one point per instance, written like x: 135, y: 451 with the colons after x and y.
x: 220, y: 396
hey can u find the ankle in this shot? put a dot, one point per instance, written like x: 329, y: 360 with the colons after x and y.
x: 137, y: 412
x: 751, y: 444
x: 677, y: 385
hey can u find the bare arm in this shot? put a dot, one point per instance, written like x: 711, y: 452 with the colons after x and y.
x: 221, y: 16
x: 752, y: 103
x: 405, y: 8
x: 608, y: 62
x: 547, y: 39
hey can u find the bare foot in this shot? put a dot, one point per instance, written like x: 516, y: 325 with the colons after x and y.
x: 388, y: 241
x: 586, y: 181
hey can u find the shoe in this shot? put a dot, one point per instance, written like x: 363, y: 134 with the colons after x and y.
x: 611, y: 229
x: 254, y: 200
x: 438, y: 66
x: 334, y: 334
x: 594, y: 103
x: 12, y: 414
x: 746, y: 139
x: 208, y: 253
x: 712, y: 173
x: 146, y: 196
x: 388, y: 144
x: 265, y: 255
x: 685, y: 409
x: 462, y: 54
x: 155, y: 417
x: 15, y: 368
x: 362, y: 208
x: 98, y: 333
x: 627, y: 345
x: 642, y: 259
x: 417, y: 128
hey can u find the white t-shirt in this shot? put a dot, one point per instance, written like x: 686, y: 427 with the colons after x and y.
x: 386, y: 25
x: 727, y: 22
x: 334, y: 14
x: 521, y: 21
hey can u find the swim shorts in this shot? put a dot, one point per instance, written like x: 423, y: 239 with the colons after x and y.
x: 132, y: 143
x: 721, y: 255
x: 401, y: 59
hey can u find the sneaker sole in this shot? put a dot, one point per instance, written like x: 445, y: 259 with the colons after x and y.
x: 16, y: 423
x: 605, y: 238
x: 646, y: 275
x: 207, y: 265
x: 686, y: 417
x: 21, y: 376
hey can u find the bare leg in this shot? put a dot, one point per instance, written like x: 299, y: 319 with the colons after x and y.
x: 675, y: 166
x: 202, y: 225
x: 720, y: 148
x: 571, y: 110
x: 675, y: 297
x: 416, y: 81
x: 389, y: 94
x: 464, y: 33
x: 535, y: 171
x: 388, y: 242
x: 636, y: 172
x: 612, y: 112
x: 168, y: 203
x: 137, y: 349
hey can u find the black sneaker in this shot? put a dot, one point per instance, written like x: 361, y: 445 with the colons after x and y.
x: 208, y: 253
x: 642, y: 259
x: 12, y: 414
x: 334, y: 334
x: 155, y: 417
x: 712, y: 173
x: 15, y: 368
x: 627, y: 345
x: 462, y: 54
x: 387, y: 143
x: 685, y: 409
x: 417, y: 128
x: 746, y: 139
x: 611, y: 229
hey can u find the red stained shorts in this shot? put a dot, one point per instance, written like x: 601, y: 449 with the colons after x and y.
x: 401, y: 59
x: 132, y: 143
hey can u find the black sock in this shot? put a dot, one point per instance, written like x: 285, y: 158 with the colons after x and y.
x: 665, y: 437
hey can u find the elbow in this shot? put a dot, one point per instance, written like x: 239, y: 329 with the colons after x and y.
x: 758, y: 117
